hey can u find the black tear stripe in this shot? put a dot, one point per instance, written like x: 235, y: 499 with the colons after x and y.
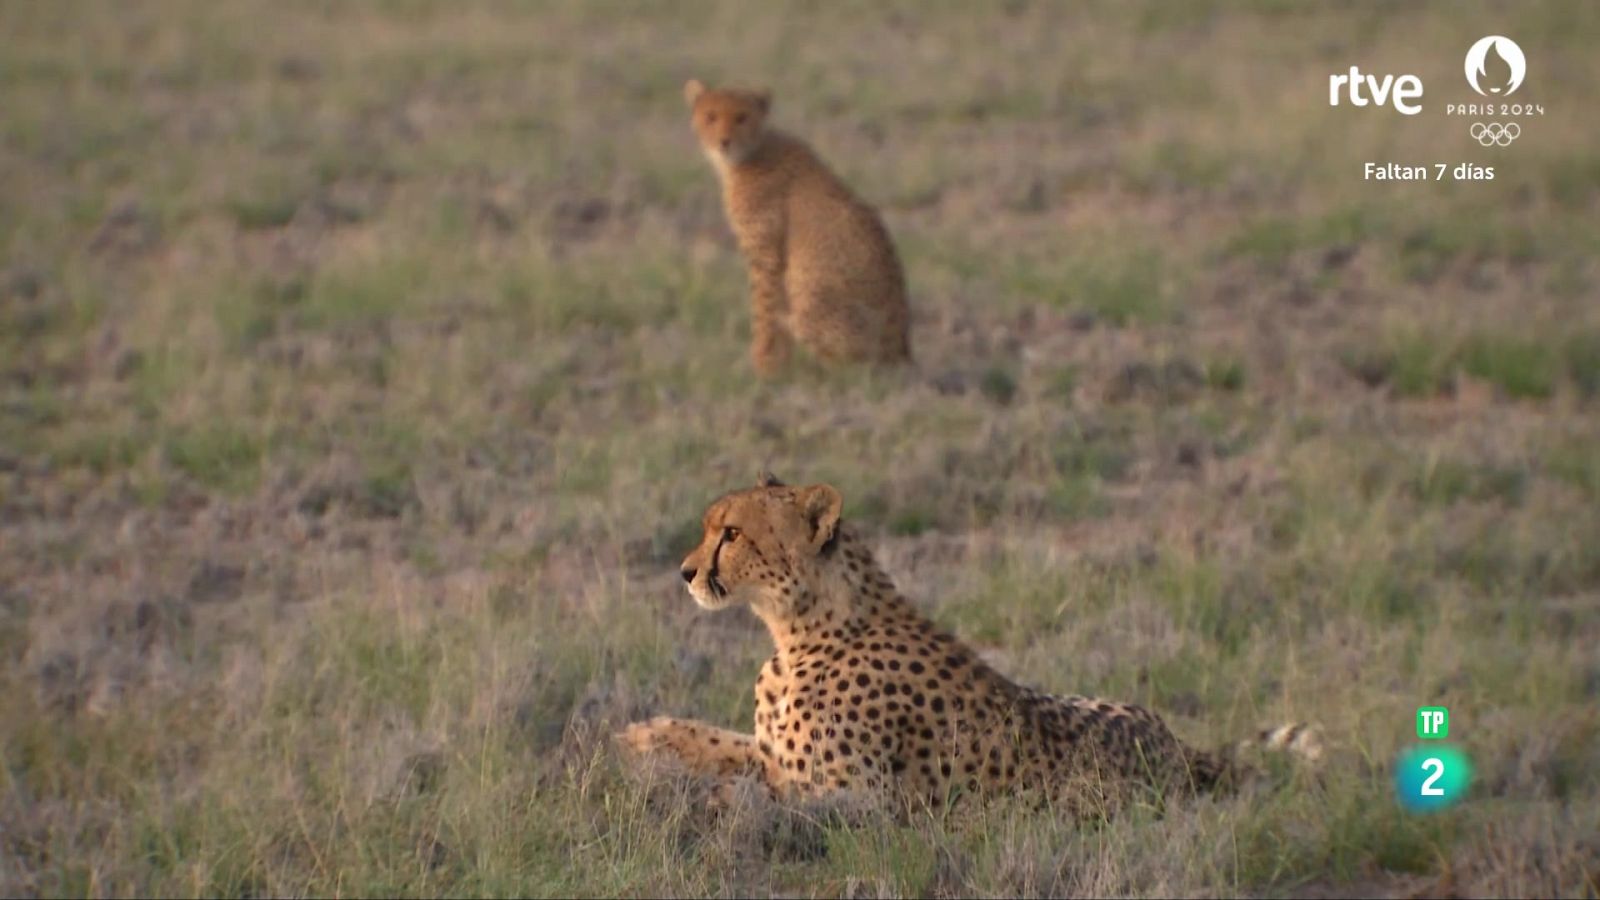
x: 711, y: 577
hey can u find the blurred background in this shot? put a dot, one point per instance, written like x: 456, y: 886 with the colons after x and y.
x: 365, y: 369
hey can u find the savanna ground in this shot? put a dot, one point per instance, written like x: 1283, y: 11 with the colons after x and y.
x: 364, y: 370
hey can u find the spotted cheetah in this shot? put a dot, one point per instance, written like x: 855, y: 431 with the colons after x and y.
x: 865, y: 694
x: 823, y: 269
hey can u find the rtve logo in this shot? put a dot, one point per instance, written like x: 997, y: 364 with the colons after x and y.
x: 1402, y: 90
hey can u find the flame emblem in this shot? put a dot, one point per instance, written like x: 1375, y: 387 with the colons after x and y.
x: 1495, y: 66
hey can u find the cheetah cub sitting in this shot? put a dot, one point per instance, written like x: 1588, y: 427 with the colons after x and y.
x: 866, y: 696
x: 823, y: 270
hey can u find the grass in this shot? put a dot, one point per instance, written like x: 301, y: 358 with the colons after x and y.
x: 1522, y: 368
x: 1120, y: 287
x: 219, y: 457
x: 1419, y: 362
x: 265, y: 203
x: 364, y: 371
x: 1276, y: 240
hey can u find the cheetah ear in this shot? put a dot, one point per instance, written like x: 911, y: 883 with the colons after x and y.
x: 692, y: 89
x: 822, y: 505
x: 765, y: 479
x: 763, y: 98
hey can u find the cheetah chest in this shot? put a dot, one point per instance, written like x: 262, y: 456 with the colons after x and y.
x: 773, y: 703
x: 804, y: 726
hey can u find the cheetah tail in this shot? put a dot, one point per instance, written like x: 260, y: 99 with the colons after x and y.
x: 1297, y: 739
x: 1226, y: 767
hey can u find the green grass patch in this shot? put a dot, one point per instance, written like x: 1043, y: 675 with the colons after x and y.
x: 998, y: 385
x: 251, y: 313
x: 102, y: 450
x: 1225, y: 374
x: 266, y: 201
x: 1012, y: 606
x: 1446, y: 481
x: 1577, y: 463
x: 1417, y: 362
x: 1582, y: 356
x: 1426, y: 252
x: 1062, y: 383
x: 1197, y: 594
x: 1521, y: 367
x: 355, y: 663
x: 366, y: 293
x: 1177, y: 164
x: 1360, y: 825
x: 1573, y: 181
x: 1121, y: 288
x: 1274, y: 240
x: 898, y: 860
x: 911, y: 521
x: 162, y: 373
x: 222, y: 457
x: 549, y: 297
x: 1082, y: 459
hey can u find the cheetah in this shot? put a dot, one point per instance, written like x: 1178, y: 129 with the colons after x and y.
x: 822, y: 268
x: 866, y: 696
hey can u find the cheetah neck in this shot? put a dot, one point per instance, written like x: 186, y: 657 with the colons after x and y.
x: 849, y: 596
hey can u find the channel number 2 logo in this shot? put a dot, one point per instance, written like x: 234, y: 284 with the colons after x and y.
x: 1427, y: 779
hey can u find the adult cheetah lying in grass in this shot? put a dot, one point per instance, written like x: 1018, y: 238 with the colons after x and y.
x: 866, y: 695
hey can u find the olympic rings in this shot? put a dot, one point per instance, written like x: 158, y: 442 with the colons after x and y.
x: 1494, y: 133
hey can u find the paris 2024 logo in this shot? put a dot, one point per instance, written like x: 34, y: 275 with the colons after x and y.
x: 1495, y: 66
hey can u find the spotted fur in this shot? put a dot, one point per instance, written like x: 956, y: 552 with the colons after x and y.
x: 865, y: 693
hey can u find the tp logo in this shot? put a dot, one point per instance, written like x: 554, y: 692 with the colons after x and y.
x: 1433, y: 722
x: 1495, y: 65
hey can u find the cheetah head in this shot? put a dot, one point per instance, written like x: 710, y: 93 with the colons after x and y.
x: 761, y: 546
x: 730, y: 123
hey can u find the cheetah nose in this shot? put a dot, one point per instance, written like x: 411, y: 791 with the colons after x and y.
x: 726, y: 142
x: 688, y: 573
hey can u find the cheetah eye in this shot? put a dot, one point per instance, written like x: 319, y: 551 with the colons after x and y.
x: 711, y: 118
x: 730, y: 535
x: 739, y: 119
